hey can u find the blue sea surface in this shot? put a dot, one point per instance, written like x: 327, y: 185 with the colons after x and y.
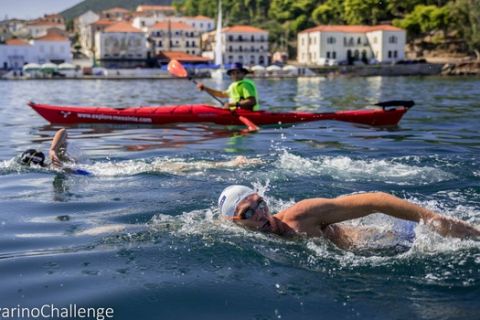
x: 142, y: 234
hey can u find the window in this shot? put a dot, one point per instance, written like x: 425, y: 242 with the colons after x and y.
x: 328, y: 54
x: 142, y: 23
x: 230, y: 38
x: 395, y: 54
x: 187, y: 44
x: 252, y: 59
x: 334, y: 55
x: 230, y: 49
x: 389, y: 53
x: 331, y: 40
x: 392, y: 39
x: 359, y: 40
x: 252, y: 38
x: 188, y: 52
x: 193, y: 44
x: 240, y: 49
x: 159, y: 43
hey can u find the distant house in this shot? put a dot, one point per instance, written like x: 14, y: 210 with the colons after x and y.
x: 55, y: 18
x: 174, y: 36
x: 88, y: 35
x: 245, y: 44
x: 52, y: 47
x: 323, y: 44
x: 117, y: 13
x: 199, y: 23
x: 121, y: 44
x: 15, y: 53
x: 156, y: 10
x: 40, y: 27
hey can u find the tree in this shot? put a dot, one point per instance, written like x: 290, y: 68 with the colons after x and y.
x: 466, y: 15
x: 425, y: 19
x: 330, y: 12
x: 364, y: 11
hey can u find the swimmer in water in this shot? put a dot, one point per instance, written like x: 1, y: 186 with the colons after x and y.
x: 322, y: 217
x: 57, y: 153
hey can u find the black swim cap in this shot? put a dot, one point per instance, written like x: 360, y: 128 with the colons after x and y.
x: 32, y: 156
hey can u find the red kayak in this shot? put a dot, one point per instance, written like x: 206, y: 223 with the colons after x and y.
x: 389, y: 114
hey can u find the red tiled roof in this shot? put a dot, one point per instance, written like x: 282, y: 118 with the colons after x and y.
x: 182, y: 56
x: 243, y: 29
x: 104, y: 22
x: 52, y: 36
x: 17, y: 42
x: 155, y: 8
x: 352, y: 29
x: 122, y: 27
x: 173, y: 26
x: 43, y: 23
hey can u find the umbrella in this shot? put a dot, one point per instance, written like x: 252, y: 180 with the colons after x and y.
x: 273, y: 68
x: 49, y: 67
x: 258, y: 68
x: 31, y: 67
x: 290, y: 68
x: 66, y: 66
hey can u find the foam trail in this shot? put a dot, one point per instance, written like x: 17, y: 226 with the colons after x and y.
x: 348, y: 169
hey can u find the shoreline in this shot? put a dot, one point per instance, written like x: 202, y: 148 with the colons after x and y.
x: 420, y: 69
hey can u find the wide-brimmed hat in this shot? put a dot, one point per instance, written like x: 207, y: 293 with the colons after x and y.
x: 237, y: 66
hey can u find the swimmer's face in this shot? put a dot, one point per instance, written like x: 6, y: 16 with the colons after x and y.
x: 253, y: 213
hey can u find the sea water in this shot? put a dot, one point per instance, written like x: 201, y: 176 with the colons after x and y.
x: 142, y: 235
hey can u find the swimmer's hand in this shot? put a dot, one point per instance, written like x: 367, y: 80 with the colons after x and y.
x: 53, y: 155
x: 243, y: 161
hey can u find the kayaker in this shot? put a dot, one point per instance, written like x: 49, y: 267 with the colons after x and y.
x: 57, y: 153
x: 242, y: 93
x: 322, y: 217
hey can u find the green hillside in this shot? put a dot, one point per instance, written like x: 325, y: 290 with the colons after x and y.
x: 99, y: 5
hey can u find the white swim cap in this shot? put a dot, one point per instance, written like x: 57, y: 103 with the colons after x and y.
x: 231, y: 197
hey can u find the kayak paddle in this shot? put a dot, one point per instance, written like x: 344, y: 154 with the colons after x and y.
x: 178, y: 70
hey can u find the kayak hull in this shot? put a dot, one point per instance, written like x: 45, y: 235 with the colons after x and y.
x: 159, y: 115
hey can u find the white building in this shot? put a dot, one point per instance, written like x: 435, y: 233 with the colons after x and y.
x: 245, y: 44
x: 117, y: 13
x: 121, y: 41
x: 85, y: 19
x: 88, y: 36
x: 199, y: 23
x: 174, y: 36
x: 52, y: 47
x: 156, y: 10
x: 381, y: 43
x: 39, y: 28
x: 15, y: 53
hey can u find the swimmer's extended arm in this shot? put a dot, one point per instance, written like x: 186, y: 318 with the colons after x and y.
x: 59, y: 141
x: 324, y: 212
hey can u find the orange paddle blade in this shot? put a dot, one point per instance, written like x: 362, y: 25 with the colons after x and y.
x: 250, y: 125
x: 177, y: 69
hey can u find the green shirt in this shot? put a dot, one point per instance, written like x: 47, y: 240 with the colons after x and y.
x: 243, y: 89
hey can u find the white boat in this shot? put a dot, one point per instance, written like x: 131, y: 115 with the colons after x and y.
x: 221, y: 73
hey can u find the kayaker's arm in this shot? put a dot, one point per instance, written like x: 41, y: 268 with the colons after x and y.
x: 216, y: 93
x: 247, y: 103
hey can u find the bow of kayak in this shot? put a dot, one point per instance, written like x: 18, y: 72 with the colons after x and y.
x: 388, y: 115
